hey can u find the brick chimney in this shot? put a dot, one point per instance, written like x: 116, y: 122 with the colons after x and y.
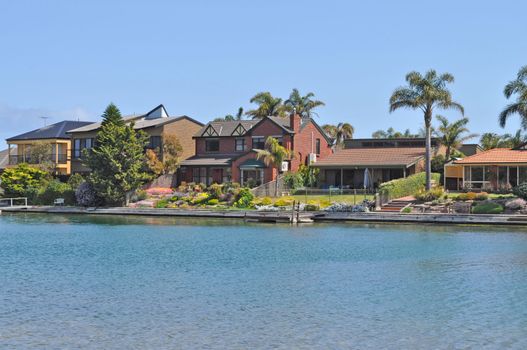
x: 294, y: 121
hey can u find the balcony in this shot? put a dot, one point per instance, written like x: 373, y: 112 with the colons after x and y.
x: 48, y: 158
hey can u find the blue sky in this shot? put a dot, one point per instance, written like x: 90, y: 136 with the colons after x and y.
x: 69, y: 59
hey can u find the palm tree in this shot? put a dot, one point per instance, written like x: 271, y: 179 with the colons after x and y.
x: 425, y: 93
x: 303, y: 105
x: 273, y: 155
x: 513, y: 141
x: 490, y: 140
x: 230, y: 117
x: 267, y: 106
x: 516, y: 87
x: 451, y: 135
x: 339, y: 132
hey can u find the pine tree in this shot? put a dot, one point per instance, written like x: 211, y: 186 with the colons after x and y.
x: 117, y: 159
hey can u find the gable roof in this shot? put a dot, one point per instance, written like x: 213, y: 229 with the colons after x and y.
x: 328, y: 139
x: 372, y: 157
x: 224, y: 128
x: 156, y: 117
x: 496, y: 156
x: 53, y: 131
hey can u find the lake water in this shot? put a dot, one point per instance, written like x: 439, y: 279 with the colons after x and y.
x: 151, y: 283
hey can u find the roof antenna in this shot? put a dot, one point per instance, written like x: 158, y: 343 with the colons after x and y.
x: 45, y: 120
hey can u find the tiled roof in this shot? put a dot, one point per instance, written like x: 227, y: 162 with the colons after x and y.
x: 53, y: 131
x: 228, y: 127
x: 496, y: 156
x: 372, y: 157
x: 215, y: 159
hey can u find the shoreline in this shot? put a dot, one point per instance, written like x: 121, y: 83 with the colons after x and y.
x: 287, y: 215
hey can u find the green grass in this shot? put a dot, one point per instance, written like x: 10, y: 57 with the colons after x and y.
x: 343, y: 198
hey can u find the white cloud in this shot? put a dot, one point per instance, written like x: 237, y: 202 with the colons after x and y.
x: 14, y: 120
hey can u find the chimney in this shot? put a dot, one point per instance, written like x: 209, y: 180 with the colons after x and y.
x: 294, y: 121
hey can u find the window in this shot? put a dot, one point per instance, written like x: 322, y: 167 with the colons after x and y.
x: 155, y: 143
x: 212, y: 145
x: 259, y: 142
x: 240, y: 145
x: 80, y: 144
x: 317, y: 146
x: 199, y: 175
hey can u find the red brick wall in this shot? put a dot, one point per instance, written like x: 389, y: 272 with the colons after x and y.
x: 305, y: 142
x: 269, y: 173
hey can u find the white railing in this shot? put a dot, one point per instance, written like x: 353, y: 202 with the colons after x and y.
x: 12, y: 200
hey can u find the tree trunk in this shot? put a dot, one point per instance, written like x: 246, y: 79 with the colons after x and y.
x: 427, y: 157
x: 276, y: 184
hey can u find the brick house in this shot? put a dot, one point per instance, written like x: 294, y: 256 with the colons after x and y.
x: 369, y: 162
x: 225, y: 149
x: 156, y: 124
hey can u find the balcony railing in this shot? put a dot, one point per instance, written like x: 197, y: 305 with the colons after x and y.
x: 48, y: 158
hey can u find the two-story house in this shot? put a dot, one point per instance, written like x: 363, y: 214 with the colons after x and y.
x: 157, y: 124
x: 225, y: 149
x: 21, y: 147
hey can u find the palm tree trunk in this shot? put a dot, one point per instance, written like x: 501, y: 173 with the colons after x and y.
x: 427, y: 157
x: 276, y: 184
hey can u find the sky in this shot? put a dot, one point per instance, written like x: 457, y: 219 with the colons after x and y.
x: 69, y: 59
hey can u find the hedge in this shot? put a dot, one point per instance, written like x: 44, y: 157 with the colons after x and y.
x: 408, y: 186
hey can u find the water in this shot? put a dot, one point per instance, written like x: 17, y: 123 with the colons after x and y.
x: 153, y: 283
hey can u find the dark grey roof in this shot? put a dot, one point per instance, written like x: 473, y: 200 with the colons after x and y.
x: 227, y: 127
x: 53, y: 131
x: 4, y: 159
x: 156, y: 117
x: 215, y: 159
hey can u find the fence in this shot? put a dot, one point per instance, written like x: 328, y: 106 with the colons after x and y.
x: 268, y: 189
x: 4, y: 202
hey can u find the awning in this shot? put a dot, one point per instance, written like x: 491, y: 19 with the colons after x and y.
x: 212, y: 160
x: 252, y: 164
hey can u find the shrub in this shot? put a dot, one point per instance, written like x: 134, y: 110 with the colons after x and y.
x: 23, y: 181
x: 213, y: 201
x: 200, y: 198
x: 468, y: 196
x: 215, y: 190
x: 432, y: 195
x: 227, y: 197
x: 86, y: 195
x: 56, y: 189
x: 75, y: 181
x: 406, y: 210
x: 266, y: 201
x: 482, y: 196
x: 244, y: 198
x: 408, y: 186
x: 159, y: 191
x: 284, y: 202
x: 521, y: 190
x: 294, y: 180
x: 516, y: 204
x: 163, y: 203
x: 311, y: 206
x: 488, y: 208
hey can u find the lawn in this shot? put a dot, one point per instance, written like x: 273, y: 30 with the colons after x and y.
x: 343, y: 198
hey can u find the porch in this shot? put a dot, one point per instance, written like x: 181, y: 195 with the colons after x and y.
x: 360, y: 177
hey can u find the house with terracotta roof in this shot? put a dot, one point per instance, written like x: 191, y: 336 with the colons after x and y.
x: 491, y: 170
x: 157, y: 123
x: 225, y: 149
x: 369, y: 162
x: 55, y: 135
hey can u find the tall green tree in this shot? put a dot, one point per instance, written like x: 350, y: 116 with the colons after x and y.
x: 490, y: 140
x: 304, y: 105
x: 515, y: 140
x: 426, y: 93
x: 117, y: 160
x: 267, y: 106
x: 391, y: 133
x: 273, y: 155
x: 517, y: 87
x: 452, y: 135
x: 230, y: 117
x: 339, y: 132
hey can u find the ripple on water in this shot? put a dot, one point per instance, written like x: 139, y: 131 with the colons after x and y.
x: 77, y: 282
